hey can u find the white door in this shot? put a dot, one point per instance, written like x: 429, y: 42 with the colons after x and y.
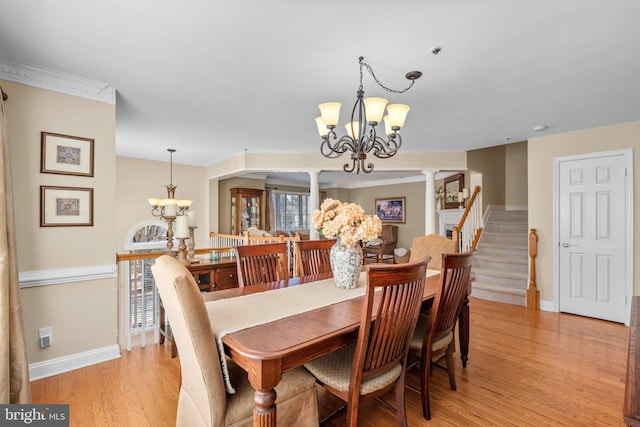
x: 592, y: 247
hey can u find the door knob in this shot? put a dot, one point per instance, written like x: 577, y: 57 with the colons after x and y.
x: 566, y: 245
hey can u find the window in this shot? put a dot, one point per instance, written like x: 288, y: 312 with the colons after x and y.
x: 141, y: 295
x: 291, y: 211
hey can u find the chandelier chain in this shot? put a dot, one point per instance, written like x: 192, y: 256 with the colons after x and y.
x: 362, y: 63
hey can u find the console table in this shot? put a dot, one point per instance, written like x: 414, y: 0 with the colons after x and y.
x: 210, y: 276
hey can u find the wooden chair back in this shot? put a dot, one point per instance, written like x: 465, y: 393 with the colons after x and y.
x: 454, y: 285
x: 263, y: 263
x: 384, y: 343
x: 433, y: 245
x: 313, y: 257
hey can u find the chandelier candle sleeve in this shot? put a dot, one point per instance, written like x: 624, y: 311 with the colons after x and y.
x: 182, y: 227
x: 169, y: 207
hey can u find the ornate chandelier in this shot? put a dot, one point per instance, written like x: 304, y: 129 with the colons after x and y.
x: 173, y: 210
x: 367, y: 112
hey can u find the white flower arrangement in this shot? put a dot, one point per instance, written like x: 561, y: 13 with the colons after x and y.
x: 347, y: 221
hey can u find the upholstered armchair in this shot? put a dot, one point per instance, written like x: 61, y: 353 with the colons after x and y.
x: 384, y: 246
x: 433, y: 245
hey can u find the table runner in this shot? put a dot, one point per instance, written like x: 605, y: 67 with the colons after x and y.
x: 235, y: 314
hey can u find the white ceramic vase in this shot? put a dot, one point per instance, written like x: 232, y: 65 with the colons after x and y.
x: 346, y: 263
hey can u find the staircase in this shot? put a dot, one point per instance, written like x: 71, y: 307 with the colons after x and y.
x: 500, y: 266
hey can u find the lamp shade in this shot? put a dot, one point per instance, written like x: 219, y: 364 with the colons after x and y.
x: 353, y: 129
x: 154, y: 202
x: 323, y: 130
x: 330, y: 112
x: 184, y: 203
x: 397, y: 114
x: 387, y: 126
x: 375, y: 109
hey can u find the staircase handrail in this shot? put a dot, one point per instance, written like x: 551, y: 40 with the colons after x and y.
x: 468, y: 231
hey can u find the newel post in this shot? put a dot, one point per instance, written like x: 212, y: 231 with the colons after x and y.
x: 533, y: 295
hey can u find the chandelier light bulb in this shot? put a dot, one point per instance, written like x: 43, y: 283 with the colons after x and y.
x: 353, y: 129
x: 397, y: 115
x: 387, y: 127
x: 375, y: 109
x: 330, y: 112
x: 323, y: 130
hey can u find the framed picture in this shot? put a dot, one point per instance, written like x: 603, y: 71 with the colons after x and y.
x: 391, y: 210
x: 66, y: 155
x: 452, y: 186
x: 66, y: 206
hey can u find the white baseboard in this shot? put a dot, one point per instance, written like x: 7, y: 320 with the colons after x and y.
x: 546, y: 305
x: 60, y: 365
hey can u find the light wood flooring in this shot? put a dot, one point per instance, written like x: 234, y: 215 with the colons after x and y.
x: 525, y: 369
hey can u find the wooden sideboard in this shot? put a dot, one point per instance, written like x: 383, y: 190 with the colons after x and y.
x: 210, y: 276
x: 215, y: 275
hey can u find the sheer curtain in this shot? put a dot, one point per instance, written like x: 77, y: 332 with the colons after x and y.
x: 269, y: 220
x: 14, y: 373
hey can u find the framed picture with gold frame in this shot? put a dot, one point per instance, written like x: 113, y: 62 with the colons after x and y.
x: 391, y: 210
x: 66, y: 155
x: 66, y: 206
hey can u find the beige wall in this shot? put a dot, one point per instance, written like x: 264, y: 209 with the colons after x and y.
x: 137, y: 180
x: 541, y: 154
x: 224, y: 199
x: 83, y: 314
x: 491, y: 163
x: 414, y: 193
x: 515, y: 186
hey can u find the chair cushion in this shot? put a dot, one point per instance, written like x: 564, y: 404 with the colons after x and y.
x: 418, y: 336
x: 334, y: 370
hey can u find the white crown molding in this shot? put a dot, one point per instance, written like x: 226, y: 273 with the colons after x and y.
x: 29, y: 279
x: 63, y: 364
x: 56, y: 81
x: 394, y: 181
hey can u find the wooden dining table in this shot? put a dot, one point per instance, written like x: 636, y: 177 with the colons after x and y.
x: 268, y: 350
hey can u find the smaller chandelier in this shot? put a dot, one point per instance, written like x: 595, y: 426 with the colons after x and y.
x: 367, y: 112
x: 170, y: 209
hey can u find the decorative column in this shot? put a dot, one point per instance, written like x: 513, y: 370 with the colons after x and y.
x: 430, y: 226
x: 314, y: 201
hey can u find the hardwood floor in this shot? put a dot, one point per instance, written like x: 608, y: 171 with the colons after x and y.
x: 525, y: 369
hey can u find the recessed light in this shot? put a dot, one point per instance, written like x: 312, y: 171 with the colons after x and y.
x: 539, y: 128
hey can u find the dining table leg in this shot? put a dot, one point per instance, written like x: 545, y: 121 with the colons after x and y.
x: 463, y: 331
x: 264, y: 409
x: 264, y: 376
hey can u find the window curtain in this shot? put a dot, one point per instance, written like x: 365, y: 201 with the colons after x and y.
x: 14, y: 373
x: 269, y: 219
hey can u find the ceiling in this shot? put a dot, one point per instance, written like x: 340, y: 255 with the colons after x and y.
x: 214, y: 79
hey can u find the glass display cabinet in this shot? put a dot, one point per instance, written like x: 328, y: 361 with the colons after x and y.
x: 246, y: 209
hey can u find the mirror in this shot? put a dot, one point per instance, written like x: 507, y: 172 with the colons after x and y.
x: 452, y: 186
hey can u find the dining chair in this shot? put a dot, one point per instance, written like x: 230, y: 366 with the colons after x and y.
x: 314, y: 259
x: 265, y: 263
x: 433, y: 337
x: 202, y: 400
x: 376, y: 362
x: 433, y: 245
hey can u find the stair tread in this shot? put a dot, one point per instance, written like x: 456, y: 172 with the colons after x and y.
x: 499, y: 273
x: 497, y: 288
x: 502, y: 245
x: 518, y: 260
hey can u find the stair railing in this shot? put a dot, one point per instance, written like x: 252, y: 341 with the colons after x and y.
x: 468, y: 231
